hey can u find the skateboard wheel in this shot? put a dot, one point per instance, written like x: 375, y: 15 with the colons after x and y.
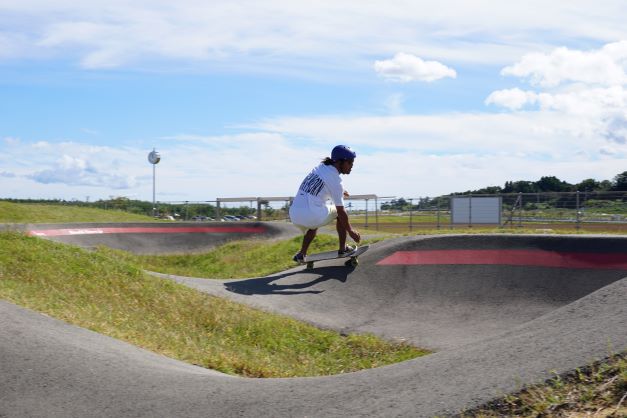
x: 310, y: 265
x: 353, y: 262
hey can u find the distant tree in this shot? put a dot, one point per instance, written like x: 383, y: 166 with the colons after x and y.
x: 588, y: 185
x: 605, y: 185
x: 398, y: 204
x: 486, y: 190
x: 519, y: 187
x: 401, y: 203
x: 620, y: 182
x: 492, y: 190
x: 423, y: 202
x: 552, y: 184
x: 268, y: 210
x: 120, y: 202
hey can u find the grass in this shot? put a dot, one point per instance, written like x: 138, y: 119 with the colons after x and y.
x: 42, y: 213
x: 115, y: 297
x: 598, y: 390
x: 237, y: 259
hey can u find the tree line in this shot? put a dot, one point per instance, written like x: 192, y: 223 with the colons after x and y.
x: 546, y: 184
x: 183, y: 210
x: 553, y: 184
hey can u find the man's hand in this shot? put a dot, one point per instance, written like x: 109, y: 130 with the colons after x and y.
x: 346, y: 194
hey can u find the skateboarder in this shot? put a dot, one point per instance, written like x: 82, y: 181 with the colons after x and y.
x: 320, y: 201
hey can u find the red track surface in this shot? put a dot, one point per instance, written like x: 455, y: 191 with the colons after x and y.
x: 509, y: 257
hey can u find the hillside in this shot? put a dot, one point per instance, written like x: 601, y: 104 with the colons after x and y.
x: 47, y: 213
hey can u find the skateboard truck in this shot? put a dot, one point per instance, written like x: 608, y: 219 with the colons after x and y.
x: 352, y: 261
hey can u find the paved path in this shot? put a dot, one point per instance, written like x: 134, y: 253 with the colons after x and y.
x: 494, y: 325
x: 157, y: 238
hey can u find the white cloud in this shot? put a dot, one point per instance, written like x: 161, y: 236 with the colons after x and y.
x: 499, y: 144
x: 74, y: 171
x: 404, y: 68
x: 454, y: 133
x: 512, y: 99
x: 42, y: 145
x: 589, y: 86
x: 90, y: 131
x: 13, y: 45
x: 193, y: 167
x: 9, y: 140
x: 617, y: 129
x: 406, y: 155
x: 394, y: 103
x: 607, y: 150
x: 605, y: 66
x: 587, y: 102
x: 277, y: 35
x: 69, y: 164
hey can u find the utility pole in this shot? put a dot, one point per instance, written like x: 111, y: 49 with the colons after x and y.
x: 154, y: 158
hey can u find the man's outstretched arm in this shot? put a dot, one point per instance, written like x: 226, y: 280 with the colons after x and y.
x: 342, y: 217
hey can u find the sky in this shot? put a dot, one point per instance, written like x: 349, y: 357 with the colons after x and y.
x: 244, y: 98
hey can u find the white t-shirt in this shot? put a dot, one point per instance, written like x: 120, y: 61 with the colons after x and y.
x: 310, y: 206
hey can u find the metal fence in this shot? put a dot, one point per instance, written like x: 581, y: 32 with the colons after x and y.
x: 578, y: 211
x: 226, y: 209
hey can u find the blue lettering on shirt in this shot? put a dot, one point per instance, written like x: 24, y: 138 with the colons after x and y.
x: 312, y: 184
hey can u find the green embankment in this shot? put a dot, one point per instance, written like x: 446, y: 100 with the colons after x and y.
x: 42, y: 213
x: 115, y: 297
x: 237, y: 259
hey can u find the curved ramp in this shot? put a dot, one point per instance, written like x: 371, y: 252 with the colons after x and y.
x: 496, y: 326
x: 160, y: 238
x: 439, y: 292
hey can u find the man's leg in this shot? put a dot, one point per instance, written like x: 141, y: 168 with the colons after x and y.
x: 307, y: 239
x: 341, y: 234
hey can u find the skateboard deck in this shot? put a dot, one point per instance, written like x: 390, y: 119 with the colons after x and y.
x: 331, y: 255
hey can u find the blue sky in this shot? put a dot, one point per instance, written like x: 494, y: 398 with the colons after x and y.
x: 243, y: 98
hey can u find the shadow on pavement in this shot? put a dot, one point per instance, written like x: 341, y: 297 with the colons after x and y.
x: 268, y: 285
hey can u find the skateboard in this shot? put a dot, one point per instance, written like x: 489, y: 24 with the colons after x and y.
x: 330, y: 255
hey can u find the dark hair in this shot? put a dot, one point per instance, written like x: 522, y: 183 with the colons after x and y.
x: 328, y: 161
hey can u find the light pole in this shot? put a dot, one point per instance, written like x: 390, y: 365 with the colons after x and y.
x: 154, y: 158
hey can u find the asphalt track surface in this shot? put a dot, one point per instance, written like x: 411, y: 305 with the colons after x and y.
x: 158, y: 238
x: 501, y: 311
